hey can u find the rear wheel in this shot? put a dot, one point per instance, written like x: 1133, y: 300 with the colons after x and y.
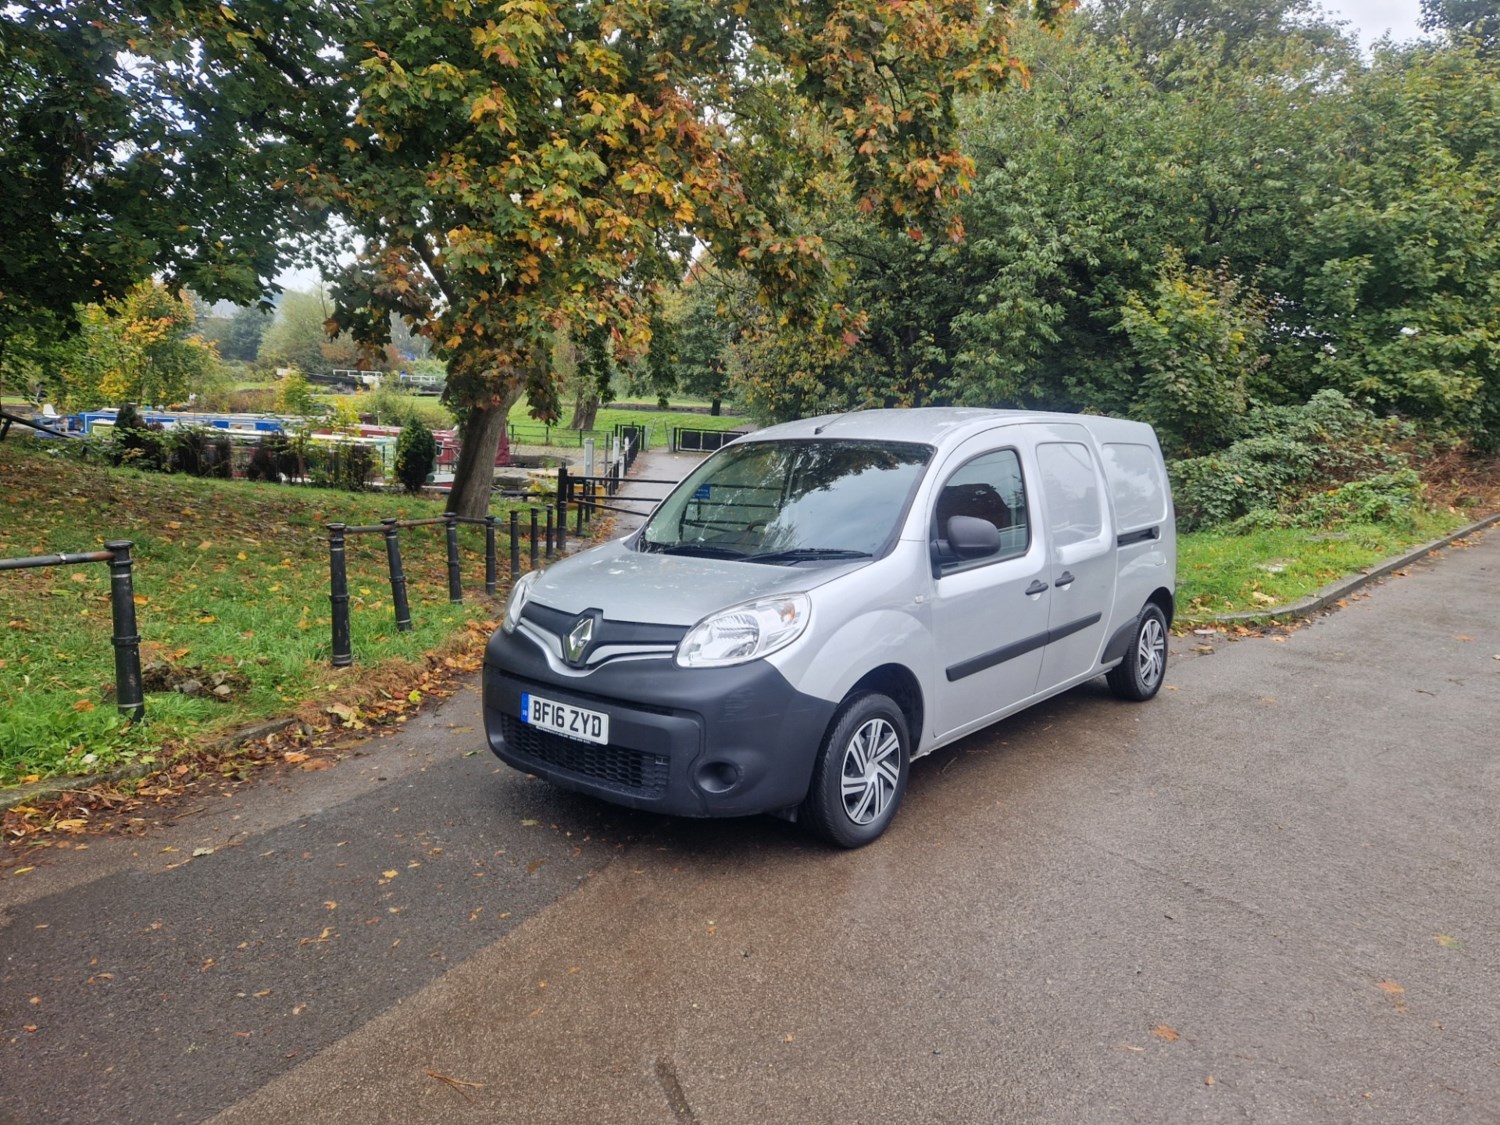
x: 860, y: 774
x: 1139, y: 676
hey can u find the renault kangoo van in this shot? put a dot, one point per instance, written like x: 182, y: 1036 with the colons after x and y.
x: 820, y: 603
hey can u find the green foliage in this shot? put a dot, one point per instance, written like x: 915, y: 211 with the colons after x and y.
x: 136, y: 348
x: 142, y: 138
x: 388, y: 406
x: 298, y: 336
x: 1196, y: 343
x: 237, y: 337
x: 1288, y: 458
x: 295, y: 396
x: 416, y: 454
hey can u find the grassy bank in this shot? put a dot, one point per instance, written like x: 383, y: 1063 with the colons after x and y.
x: 231, y: 587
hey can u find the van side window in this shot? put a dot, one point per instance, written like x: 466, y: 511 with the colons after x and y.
x: 1070, y: 487
x: 988, y: 488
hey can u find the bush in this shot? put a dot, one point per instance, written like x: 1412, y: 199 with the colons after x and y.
x: 197, y: 451
x: 1290, y: 460
x: 137, y: 444
x: 416, y: 454
x: 387, y: 406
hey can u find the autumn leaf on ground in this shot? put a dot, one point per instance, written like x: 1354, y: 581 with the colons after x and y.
x: 1390, y: 986
x: 1162, y: 1031
x: 1447, y: 941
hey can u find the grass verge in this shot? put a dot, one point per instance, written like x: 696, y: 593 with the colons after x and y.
x: 1219, y: 572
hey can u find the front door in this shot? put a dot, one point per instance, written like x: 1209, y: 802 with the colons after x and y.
x: 990, y: 613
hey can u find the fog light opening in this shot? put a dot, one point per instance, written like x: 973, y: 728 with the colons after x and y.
x: 718, y: 777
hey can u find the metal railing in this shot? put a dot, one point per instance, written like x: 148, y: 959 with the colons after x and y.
x: 689, y: 440
x: 129, y: 694
x: 545, y: 533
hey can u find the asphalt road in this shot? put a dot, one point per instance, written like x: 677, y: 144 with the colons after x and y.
x: 1269, y: 895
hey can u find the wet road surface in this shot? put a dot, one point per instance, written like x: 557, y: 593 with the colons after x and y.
x: 1269, y: 895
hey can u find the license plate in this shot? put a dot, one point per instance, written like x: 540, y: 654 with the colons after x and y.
x: 565, y: 719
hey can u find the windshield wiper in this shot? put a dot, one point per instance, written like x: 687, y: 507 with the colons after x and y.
x: 696, y: 550
x: 800, y: 554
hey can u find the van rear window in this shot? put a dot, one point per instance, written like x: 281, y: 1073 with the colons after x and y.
x: 1136, y: 484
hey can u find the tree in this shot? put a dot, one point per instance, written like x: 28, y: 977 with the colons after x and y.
x: 136, y: 348
x: 1476, y: 22
x: 237, y: 336
x: 549, y: 166
x: 150, y: 136
x: 298, y: 336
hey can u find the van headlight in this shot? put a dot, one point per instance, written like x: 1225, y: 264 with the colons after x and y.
x: 745, y: 632
x: 519, y: 593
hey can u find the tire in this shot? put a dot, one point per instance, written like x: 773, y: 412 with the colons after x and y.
x: 1139, y: 676
x: 860, y: 775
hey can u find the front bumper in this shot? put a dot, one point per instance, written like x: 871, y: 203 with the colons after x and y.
x: 685, y: 741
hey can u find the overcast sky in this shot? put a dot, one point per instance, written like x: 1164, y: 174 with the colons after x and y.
x: 1372, y: 18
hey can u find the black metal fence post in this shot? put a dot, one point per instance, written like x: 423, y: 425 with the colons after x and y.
x: 338, y: 583
x: 129, y: 696
x: 398, y: 576
x: 533, y: 539
x: 551, y: 538
x: 455, y: 584
x: 491, y: 578
x: 563, y: 484
x: 515, y: 544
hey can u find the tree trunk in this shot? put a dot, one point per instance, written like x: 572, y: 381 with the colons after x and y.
x: 474, y: 476
x: 585, y: 411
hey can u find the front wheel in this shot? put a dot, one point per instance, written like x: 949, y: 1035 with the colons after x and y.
x: 1139, y: 676
x: 860, y: 774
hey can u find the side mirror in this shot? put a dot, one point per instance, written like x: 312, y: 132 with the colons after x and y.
x: 973, y: 538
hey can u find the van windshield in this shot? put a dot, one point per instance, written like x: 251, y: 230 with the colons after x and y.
x: 790, y: 502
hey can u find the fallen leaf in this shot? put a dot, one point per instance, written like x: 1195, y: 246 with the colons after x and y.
x: 457, y: 1084
x: 202, y: 851
x: 22, y: 870
x: 1390, y: 986
x: 1461, y: 637
x: 391, y: 874
x: 1162, y: 1031
x: 292, y: 757
x: 1446, y: 941
x: 1209, y: 1081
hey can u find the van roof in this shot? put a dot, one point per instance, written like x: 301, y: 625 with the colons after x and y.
x: 937, y: 425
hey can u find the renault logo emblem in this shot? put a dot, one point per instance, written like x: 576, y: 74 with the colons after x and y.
x: 577, y: 642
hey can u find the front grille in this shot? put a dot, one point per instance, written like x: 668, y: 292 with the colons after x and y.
x: 618, y: 767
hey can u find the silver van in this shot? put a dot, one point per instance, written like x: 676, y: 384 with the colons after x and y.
x: 820, y: 603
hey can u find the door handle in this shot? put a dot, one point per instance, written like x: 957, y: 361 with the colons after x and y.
x: 1065, y: 579
x: 1037, y: 587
